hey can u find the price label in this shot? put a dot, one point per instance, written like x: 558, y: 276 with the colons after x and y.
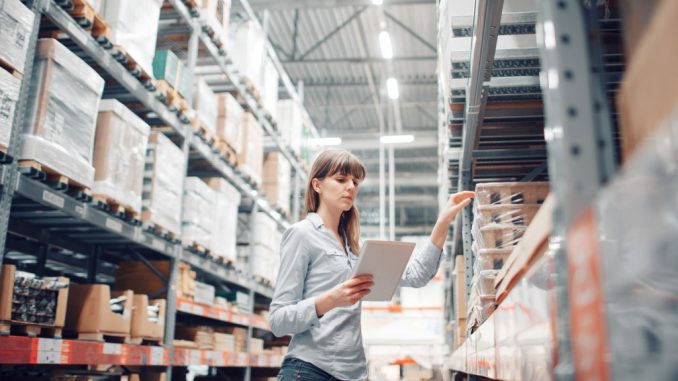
x: 112, y: 349
x: 158, y: 244
x: 197, y: 310
x: 49, y: 351
x: 53, y: 199
x: 80, y: 210
x: 185, y: 307
x: 157, y: 356
x: 195, y: 357
x: 114, y: 225
x: 223, y: 315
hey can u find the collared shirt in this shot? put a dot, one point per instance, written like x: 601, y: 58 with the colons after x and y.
x: 312, y: 262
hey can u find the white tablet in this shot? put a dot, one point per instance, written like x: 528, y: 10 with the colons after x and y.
x: 386, y: 262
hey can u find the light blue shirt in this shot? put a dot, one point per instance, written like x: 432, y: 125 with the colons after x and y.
x: 311, y: 263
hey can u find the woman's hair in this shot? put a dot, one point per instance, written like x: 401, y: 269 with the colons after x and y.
x: 329, y: 163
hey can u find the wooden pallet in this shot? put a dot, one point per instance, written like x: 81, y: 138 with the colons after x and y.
x: 145, y: 341
x: 11, y: 70
x: 4, y: 157
x: 263, y: 280
x: 122, y: 56
x: 222, y: 260
x: 117, y: 209
x: 55, y: 179
x: 227, y: 152
x: 108, y: 337
x: 156, y: 229
x: 171, y: 97
x: 28, y: 329
x: 201, y: 129
x: 197, y: 248
x: 249, y: 85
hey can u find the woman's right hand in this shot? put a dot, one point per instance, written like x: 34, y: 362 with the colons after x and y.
x: 344, y: 294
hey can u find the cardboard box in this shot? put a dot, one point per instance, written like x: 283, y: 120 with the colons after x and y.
x: 224, y: 342
x: 62, y: 109
x: 225, y: 223
x: 230, y: 120
x: 204, y: 293
x: 16, y: 25
x: 202, y: 336
x: 216, y: 14
x: 290, y: 123
x: 511, y: 193
x: 89, y: 312
x: 9, y: 96
x: 205, y: 104
x: 256, y: 346
x: 169, y: 68
x: 248, y: 38
x: 142, y: 328
x: 239, y: 337
x: 7, y: 279
x: 148, y: 376
x: 120, y: 154
x: 250, y: 160
x: 649, y: 90
x: 459, y: 286
x: 137, y: 277
x: 198, y: 212
x: 277, y: 178
x: 163, y: 183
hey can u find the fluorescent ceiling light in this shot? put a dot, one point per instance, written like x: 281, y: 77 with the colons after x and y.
x: 385, y: 44
x: 377, y: 2
x: 395, y: 139
x: 392, y: 88
x: 324, y: 141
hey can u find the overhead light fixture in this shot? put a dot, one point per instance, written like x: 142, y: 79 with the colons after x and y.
x: 392, y: 88
x: 324, y: 141
x: 385, y: 44
x: 396, y: 139
x: 377, y: 2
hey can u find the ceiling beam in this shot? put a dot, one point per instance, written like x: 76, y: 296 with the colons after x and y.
x: 371, y: 141
x: 368, y: 105
x: 360, y: 60
x: 334, y: 31
x: 307, y: 4
x: 411, y: 32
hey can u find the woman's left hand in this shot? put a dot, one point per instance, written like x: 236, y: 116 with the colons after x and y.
x: 456, y: 203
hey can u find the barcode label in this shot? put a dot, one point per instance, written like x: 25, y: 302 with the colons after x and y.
x: 114, y: 225
x: 158, y: 244
x: 112, y: 349
x: 53, y: 199
x: 157, y: 356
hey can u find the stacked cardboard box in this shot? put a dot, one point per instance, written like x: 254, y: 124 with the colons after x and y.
x: 229, y: 122
x: 250, y: 160
x: 204, y: 293
x: 216, y: 15
x: 225, y: 210
x: 224, y: 342
x: 277, y: 179
x: 120, y: 154
x: 138, y: 277
x: 90, y: 313
x: 290, y: 123
x: 163, y: 184
x: 134, y: 27
x: 148, y: 319
x: 248, y: 39
x: 202, y: 336
x: 169, y: 68
x: 205, y: 105
x: 502, y: 213
x: 264, y: 259
x: 239, y: 338
x: 62, y: 109
x: 256, y: 346
x: 269, y: 88
x: 198, y: 212
x: 9, y: 96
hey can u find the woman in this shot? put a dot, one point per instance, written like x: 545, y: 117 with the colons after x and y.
x: 314, y: 300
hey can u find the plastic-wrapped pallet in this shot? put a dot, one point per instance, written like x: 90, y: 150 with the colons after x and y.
x: 62, y: 110
x: 16, y: 24
x: 120, y: 154
x: 134, y: 27
x: 269, y: 88
x: 169, y: 68
x: 205, y: 105
x: 511, y: 193
x: 277, y: 179
x: 249, y: 41
x: 216, y: 15
x: 198, y: 215
x: 265, y: 243
x: 225, y: 210
x: 163, y: 183
x: 290, y: 123
x: 229, y: 123
x: 250, y: 160
x: 9, y: 95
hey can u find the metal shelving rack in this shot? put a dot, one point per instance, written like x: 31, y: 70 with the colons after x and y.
x: 70, y: 234
x: 579, y: 73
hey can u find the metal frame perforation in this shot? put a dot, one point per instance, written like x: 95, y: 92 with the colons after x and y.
x: 578, y: 131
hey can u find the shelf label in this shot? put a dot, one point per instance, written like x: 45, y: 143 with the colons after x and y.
x: 195, y: 357
x: 223, y: 315
x: 49, y: 351
x: 80, y: 210
x: 157, y: 356
x: 112, y: 349
x: 53, y: 199
x: 158, y: 245
x: 114, y: 225
x: 197, y: 310
x: 185, y: 307
x: 137, y: 234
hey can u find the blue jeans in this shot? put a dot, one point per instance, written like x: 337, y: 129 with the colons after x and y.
x: 293, y: 369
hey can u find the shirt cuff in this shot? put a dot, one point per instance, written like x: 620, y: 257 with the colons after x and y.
x: 431, y: 253
x: 307, y: 308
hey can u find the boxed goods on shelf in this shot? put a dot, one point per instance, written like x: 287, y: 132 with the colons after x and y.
x: 290, y: 123
x: 239, y: 338
x: 204, y: 293
x: 148, y: 376
x: 459, y: 286
x: 511, y: 193
x: 202, y: 336
x: 32, y: 301
x: 134, y: 27
x: 269, y: 88
x: 642, y: 106
x: 16, y: 24
x: 248, y: 40
x: 119, y: 155
x: 9, y: 95
x: 505, y: 214
x: 264, y: 260
x: 148, y: 319
x: 62, y: 109
x: 229, y: 122
x: 205, y: 106
x: 224, y: 342
x: 216, y: 15
x: 250, y: 160
x: 225, y: 210
x: 170, y: 72
x: 94, y: 311
x: 163, y: 184
x: 136, y: 276
x: 490, y: 259
x: 497, y: 236
x: 277, y: 179
x: 256, y: 346
x: 198, y: 213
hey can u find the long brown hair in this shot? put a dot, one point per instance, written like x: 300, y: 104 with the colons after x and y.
x: 329, y: 163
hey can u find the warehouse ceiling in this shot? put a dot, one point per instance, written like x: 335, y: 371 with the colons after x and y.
x: 333, y: 48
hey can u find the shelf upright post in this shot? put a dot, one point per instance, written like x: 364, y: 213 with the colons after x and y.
x: 578, y: 136
x: 250, y: 330
x: 8, y: 172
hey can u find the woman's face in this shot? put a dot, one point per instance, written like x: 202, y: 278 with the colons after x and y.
x: 337, y: 191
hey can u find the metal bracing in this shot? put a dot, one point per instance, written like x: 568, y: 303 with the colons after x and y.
x: 334, y: 31
x: 359, y: 60
x: 309, y: 4
x: 578, y: 131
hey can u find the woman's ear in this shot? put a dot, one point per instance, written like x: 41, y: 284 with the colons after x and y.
x: 315, y: 183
